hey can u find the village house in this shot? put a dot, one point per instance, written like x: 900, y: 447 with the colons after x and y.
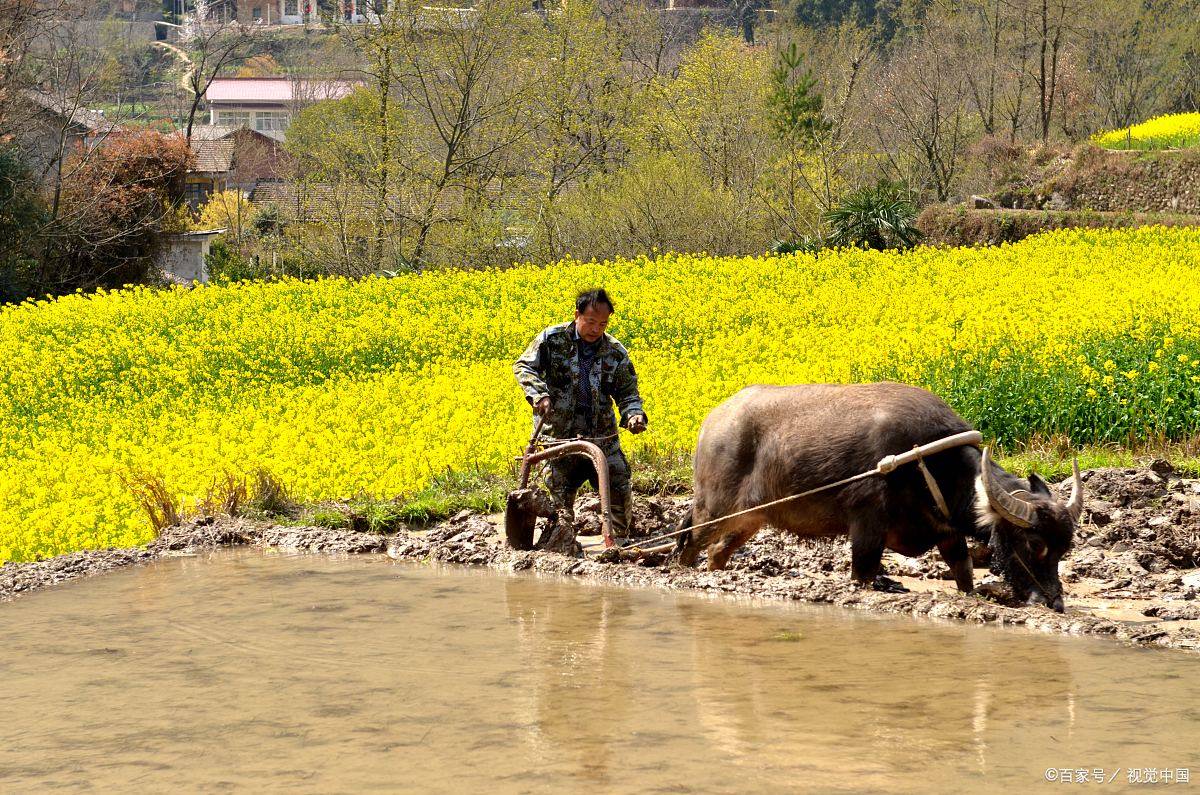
x: 58, y: 125
x: 266, y: 104
x: 229, y: 158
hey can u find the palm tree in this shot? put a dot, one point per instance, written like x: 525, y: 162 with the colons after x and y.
x: 877, y: 218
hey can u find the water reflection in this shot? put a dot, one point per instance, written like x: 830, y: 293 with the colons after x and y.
x: 787, y: 693
x: 574, y: 667
x: 259, y: 672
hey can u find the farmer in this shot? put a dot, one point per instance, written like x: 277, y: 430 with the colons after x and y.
x: 571, y: 374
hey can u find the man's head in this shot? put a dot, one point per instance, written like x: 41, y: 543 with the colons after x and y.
x: 592, y: 310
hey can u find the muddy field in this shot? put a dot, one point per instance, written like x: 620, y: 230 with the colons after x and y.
x: 1134, y: 574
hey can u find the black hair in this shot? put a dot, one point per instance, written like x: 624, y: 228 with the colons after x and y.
x: 594, y: 297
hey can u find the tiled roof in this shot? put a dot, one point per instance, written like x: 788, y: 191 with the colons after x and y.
x: 213, y: 132
x: 213, y: 155
x: 91, y: 120
x: 216, y: 148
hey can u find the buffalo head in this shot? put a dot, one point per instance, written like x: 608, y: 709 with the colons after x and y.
x: 1031, y: 530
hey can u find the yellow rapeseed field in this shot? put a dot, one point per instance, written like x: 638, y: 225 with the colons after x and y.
x: 1173, y: 131
x: 371, y: 387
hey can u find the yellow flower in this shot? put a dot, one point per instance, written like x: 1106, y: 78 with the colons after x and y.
x: 376, y: 386
x: 1172, y: 131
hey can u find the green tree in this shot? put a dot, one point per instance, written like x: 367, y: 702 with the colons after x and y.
x: 818, y: 152
x: 713, y: 110
x: 582, y: 112
x: 658, y: 202
x: 380, y: 45
x: 885, y: 15
x: 794, y: 102
x: 344, y: 154
x: 465, y: 77
x: 20, y: 214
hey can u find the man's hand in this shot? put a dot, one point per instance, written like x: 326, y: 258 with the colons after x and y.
x: 542, y: 407
x: 637, y: 423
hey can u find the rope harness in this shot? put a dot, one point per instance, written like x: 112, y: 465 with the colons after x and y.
x: 933, y: 488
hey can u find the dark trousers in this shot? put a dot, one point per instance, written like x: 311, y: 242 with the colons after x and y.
x: 568, y: 474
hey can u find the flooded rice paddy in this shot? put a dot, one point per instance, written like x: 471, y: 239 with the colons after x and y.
x: 256, y: 670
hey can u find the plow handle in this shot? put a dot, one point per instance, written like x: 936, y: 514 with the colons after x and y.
x: 530, y: 449
x: 582, y: 447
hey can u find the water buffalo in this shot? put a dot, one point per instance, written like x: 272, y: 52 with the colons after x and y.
x: 768, y: 442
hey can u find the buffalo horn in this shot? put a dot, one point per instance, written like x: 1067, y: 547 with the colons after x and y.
x: 1075, y: 503
x: 1009, y: 506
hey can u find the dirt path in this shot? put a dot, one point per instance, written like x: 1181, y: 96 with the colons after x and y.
x: 1133, y: 575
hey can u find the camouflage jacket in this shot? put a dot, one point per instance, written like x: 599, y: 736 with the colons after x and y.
x: 549, y: 367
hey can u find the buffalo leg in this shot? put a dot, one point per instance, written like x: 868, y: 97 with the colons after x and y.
x: 866, y: 553
x: 958, y: 558
x: 718, y: 556
x: 688, y: 554
x: 689, y: 543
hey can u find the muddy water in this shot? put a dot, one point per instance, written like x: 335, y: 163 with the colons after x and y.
x: 261, y: 671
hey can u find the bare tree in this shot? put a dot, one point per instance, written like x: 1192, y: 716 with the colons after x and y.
x: 25, y: 27
x: 921, y: 122
x: 206, y: 47
x: 64, y: 79
x: 649, y: 42
x: 1054, y: 26
x: 469, y: 78
x: 1134, y: 53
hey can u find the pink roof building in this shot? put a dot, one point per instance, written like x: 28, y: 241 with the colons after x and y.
x: 266, y: 104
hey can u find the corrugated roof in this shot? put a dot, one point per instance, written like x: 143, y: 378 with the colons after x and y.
x: 275, y: 90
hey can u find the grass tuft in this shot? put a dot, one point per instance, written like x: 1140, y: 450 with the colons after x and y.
x: 154, y: 498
